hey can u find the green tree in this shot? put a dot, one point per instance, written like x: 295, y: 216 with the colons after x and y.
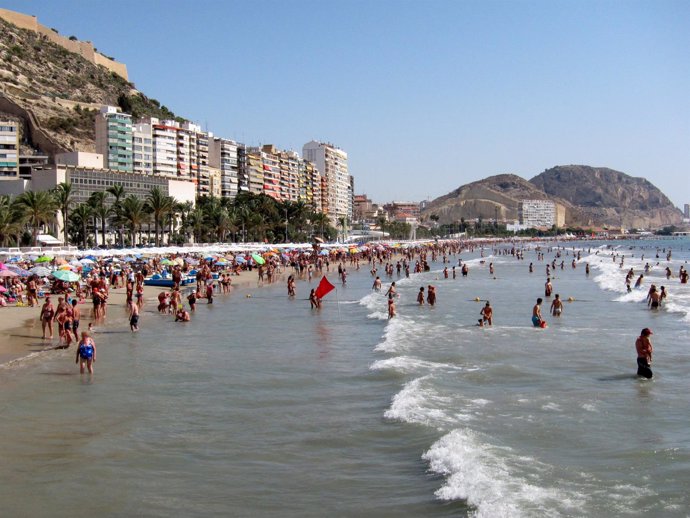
x: 10, y: 221
x: 100, y: 210
x: 133, y: 216
x: 118, y: 192
x: 39, y: 209
x: 63, y: 196
x: 159, y: 204
x: 80, y: 217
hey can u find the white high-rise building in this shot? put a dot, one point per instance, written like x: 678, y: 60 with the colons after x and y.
x: 142, y: 148
x: 537, y: 213
x: 331, y: 162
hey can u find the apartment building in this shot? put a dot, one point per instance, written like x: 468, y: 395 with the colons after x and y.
x: 254, y: 170
x: 271, y: 168
x: 142, y: 149
x: 331, y: 161
x: 223, y: 155
x: 537, y: 213
x: 9, y: 149
x: 114, y: 139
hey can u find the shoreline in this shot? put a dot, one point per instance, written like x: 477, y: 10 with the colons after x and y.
x: 22, y: 327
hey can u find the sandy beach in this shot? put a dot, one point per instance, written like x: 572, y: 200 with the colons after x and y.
x: 21, y: 327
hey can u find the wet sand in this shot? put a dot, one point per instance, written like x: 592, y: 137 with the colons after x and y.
x: 21, y: 331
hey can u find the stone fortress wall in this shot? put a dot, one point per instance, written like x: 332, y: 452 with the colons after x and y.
x: 83, y: 48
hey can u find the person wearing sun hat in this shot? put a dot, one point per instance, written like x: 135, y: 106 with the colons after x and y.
x: 644, y: 353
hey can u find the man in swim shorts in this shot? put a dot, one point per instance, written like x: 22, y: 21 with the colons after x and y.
x: 536, y: 313
x: 487, y: 313
x: 643, y: 345
x: 557, y: 306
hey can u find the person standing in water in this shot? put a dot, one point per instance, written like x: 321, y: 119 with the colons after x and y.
x: 557, y: 306
x: 487, y: 314
x: 537, y: 321
x: 643, y: 345
x: 86, y: 353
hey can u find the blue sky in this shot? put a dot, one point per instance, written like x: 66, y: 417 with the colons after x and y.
x: 424, y: 96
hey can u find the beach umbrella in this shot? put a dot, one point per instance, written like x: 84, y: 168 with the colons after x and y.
x: 41, y: 271
x: 43, y: 259
x: 8, y: 273
x: 2, y: 266
x: 178, y: 261
x: 2, y: 289
x: 66, y: 267
x: 129, y: 259
x: 86, y: 260
x: 18, y: 270
x: 166, y: 262
x: 66, y: 275
x: 192, y: 261
x: 240, y: 259
x: 258, y: 259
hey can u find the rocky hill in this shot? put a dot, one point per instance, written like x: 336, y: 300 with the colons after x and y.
x: 488, y: 198
x: 591, y: 197
x: 56, y: 93
x: 607, y: 197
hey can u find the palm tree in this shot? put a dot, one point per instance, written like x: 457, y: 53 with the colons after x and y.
x: 10, y: 221
x: 184, y: 210
x: 80, y: 216
x: 118, y: 192
x: 63, y: 196
x: 100, y: 210
x: 319, y: 220
x: 159, y: 204
x: 39, y: 209
x: 133, y: 215
x: 196, y: 220
x: 243, y: 215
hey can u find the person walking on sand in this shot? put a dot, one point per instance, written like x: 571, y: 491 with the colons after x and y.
x: 643, y: 345
x: 86, y: 353
x: 133, y: 317
x: 46, y: 316
x: 76, y: 316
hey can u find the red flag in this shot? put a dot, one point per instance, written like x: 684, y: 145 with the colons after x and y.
x: 324, y: 288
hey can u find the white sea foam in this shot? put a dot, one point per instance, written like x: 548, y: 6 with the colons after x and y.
x: 401, y: 334
x: 406, y: 364
x: 484, y: 475
x: 419, y: 403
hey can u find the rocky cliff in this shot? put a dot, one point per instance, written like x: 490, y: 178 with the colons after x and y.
x: 607, y: 197
x: 57, y: 92
x: 591, y: 197
x: 496, y: 196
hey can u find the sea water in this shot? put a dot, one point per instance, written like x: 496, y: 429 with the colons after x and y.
x: 263, y: 407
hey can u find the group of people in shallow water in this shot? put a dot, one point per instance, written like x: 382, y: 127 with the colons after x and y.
x: 67, y: 313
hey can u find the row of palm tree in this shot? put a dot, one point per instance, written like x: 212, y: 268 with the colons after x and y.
x: 248, y: 217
